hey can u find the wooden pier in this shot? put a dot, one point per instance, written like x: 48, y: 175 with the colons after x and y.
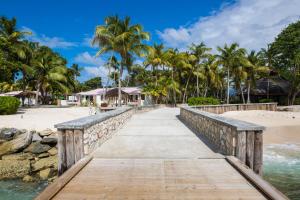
x: 155, y: 156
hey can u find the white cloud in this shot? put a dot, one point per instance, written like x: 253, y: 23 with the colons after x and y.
x: 93, y: 66
x: 52, y: 42
x: 251, y: 23
x: 87, y: 41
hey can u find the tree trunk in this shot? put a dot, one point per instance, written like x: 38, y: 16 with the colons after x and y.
x: 185, y: 91
x: 293, y: 98
x: 248, y: 93
x: 119, y: 88
x: 227, y: 101
x: 242, y: 93
x: 37, y: 94
x: 174, y: 91
x: 198, y: 92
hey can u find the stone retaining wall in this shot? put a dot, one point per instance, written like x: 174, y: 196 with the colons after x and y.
x: 78, y: 138
x: 219, y: 109
x: 230, y: 137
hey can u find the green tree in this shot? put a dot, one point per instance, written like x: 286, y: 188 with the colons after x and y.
x: 120, y: 37
x: 230, y: 57
x: 92, y: 84
x: 286, y: 50
x: 254, y: 71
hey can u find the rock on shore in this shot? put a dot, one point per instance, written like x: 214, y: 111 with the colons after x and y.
x: 29, y: 155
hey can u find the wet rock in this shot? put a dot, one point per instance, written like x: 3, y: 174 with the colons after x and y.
x: 28, y: 178
x: 37, y: 148
x: 17, y: 144
x: 49, y: 140
x: 53, y: 151
x: 45, y: 174
x: 45, y: 132
x: 43, y: 155
x: 45, y: 163
x: 36, y: 137
x: 14, y: 168
x: 18, y: 156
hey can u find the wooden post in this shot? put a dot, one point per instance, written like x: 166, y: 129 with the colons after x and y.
x: 62, y: 161
x: 250, y: 149
x: 258, y: 153
x: 70, y: 154
x: 78, y: 145
x: 241, y: 146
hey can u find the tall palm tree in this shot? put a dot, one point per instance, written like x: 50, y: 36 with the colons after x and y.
x: 155, y: 59
x: 119, y: 36
x: 76, y: 70
x: 49, y: 72
x: 201, y: 52
x: 268, y: 59
x: 12, y: 47
x: 209, y: 72
x: 254, y: 70
x: 229, y: 57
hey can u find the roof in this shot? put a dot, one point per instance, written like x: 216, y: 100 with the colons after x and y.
x: 98, y: 91
x: 277, y: 86
x: 18, y: 93
x: 126, y: 90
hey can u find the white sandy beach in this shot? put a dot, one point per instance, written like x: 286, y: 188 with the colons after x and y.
x: 281, y: 127
x: 42, y: 118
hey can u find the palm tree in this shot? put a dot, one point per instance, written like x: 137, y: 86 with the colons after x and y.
x: 49, y: 72
x: 253, y: 70
x: 229, y: 57
x: 267, y: 58
x: 76, y: 70
x: 155, y: 59
x: 201, y: 52
x: 119, y: 36
x: 209, y: 72
x: 12, y: 47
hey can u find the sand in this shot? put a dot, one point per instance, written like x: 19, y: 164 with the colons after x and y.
x: 281, y: 127
x: 42, y: 118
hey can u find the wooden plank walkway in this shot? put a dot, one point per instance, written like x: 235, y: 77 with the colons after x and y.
x: 155, y: 156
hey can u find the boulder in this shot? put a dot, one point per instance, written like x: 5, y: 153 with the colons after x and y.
x: 43, y: 155
x: 53, y: 151
x: 45, y: 174
x: 14, y: 168
x: 18, y: 156
x: 15, y: 145
x: 45, y: 163
x: 49, y: 140
x: 45, y: 132
x: 36, y: 137
x: 28, y: 178
x: 37, y: 148
x: 8, y: 133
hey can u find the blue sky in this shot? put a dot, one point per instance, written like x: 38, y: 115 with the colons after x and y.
x: 68, y: 26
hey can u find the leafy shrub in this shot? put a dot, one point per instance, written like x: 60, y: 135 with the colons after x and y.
x: 9, y: 105
x: 194, y: 101
x: 266, y: 101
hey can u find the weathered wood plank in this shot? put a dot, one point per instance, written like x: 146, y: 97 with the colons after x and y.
x: 78, y: 144
x: 241, y: 146
x: 258, y: 152
x: 61, y: 181
x: 250, y: 149
x: 70, y: 154
x: 62, y: 160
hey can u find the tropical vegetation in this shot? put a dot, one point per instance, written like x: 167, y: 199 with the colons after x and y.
x: 227, y: 73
